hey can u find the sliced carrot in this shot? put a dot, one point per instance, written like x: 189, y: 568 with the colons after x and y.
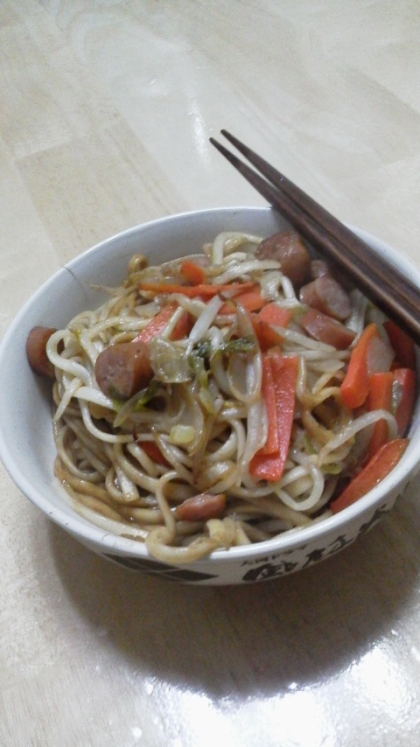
x: 152, y: 450
x: 193, y: 272
x: 267, y: 336
x: 284, y: 370
x: 402, y: 344
x: 379, y: 398
x: 183, y: 326
x: 193, y: 291
x: 276, y: 315
x: 376, y: 469
x: 269, y: 317
x: 272, y: 443
x: 355, y: 386
x: 405, y: 392
x: 268, y: 467
x: 158, y: 323
x: 251, y: 299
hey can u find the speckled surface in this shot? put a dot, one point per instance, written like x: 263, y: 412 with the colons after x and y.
x: 106, y: 111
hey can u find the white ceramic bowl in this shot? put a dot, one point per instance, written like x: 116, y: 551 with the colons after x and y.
x: 26, y: 439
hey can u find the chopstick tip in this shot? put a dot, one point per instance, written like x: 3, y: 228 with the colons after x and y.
x: 219, y: 147
x: 232, y: 139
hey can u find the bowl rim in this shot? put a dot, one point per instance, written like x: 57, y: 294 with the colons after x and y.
x: 90, y: 533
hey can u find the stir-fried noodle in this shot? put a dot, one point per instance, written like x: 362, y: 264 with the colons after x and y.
x: 197, y: 425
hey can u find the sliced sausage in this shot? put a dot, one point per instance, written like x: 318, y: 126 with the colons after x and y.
x: 328, y: 296
x: 289, y: 250
x: 326, y: 329
x: 319, y: 268
x: 201, y: 507
x: 123, y: 369
x: 36, y: 354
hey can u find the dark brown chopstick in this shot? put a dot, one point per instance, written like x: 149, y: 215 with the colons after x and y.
x: 384, y: 285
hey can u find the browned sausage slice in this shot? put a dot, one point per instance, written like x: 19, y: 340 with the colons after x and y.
x: 319, y: 268
x: 36, y: 344
x: 201, y: 507
x: 326, y: 329
x: 288, y: 249
x: 122, y: 370
x: 328, y: 296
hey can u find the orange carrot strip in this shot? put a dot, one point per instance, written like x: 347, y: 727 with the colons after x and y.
x: 267, y: 336
x: 355, y: 386
x: 402, y: 345
x: 284, y: 369
x: 193, y: 272
x: 251, y: 299
x: 183, y: 326
x: 272, y: 444
x: 192, y: 291
x: 379, y: 398
x: 379, y: 467
x: 275, y: 315
x: 228, y: 307
x: 158, y: 323
x: 405, y: 384
x: 270, y: 316
x: 266, y: 467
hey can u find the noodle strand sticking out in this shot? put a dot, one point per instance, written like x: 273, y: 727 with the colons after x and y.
x: 208, y: 403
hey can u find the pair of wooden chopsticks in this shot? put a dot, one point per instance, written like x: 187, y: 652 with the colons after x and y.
x: 382, y: 283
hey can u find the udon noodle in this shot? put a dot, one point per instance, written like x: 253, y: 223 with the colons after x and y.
x: 197, y: 425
